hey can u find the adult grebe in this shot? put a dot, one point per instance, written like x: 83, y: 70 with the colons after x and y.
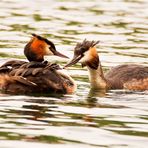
x: 38, y: 47
x: 127, y: 76
x: 36, y: 76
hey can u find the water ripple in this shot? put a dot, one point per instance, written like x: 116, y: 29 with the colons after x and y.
x: 85, y: 119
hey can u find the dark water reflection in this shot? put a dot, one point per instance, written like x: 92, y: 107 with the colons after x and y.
x: 87, y: 118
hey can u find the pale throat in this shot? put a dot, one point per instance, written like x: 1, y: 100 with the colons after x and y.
x: 96, y: 78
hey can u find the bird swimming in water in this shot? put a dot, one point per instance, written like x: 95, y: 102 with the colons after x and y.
x: 37, y: 75
x: 126, y: 76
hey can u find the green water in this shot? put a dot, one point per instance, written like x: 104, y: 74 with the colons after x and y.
x: 116, y: 119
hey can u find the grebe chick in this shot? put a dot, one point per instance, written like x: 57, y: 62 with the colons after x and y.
x: 127, y: 76
x: 36, y: 76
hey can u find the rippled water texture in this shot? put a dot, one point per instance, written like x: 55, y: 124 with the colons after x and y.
x: 115, y: 119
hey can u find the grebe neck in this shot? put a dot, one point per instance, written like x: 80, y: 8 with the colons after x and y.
x: 96, y: 78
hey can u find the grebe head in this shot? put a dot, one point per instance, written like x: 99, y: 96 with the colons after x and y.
x: 38, y: 47
x: 86, y: 54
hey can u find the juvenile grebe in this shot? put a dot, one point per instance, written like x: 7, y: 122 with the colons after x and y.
x: 36, y: 76
x: 127, y: 76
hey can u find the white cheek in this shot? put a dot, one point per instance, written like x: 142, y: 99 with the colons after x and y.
x: 86, y: 57
x: 48, y: 51
x: 83, y: 60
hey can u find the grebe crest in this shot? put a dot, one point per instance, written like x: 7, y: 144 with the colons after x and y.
x: 86, y: 53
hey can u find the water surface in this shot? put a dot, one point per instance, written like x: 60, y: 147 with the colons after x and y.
x: 115, y: 119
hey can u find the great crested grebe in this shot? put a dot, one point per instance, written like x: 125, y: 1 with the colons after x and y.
x: 127, y: 76
x: 36, y: 76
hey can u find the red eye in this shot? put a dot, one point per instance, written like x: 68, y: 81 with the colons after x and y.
x: 83, y: 49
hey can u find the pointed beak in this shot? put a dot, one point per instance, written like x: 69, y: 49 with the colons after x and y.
x: 55, y: 52
x: 75, y: 60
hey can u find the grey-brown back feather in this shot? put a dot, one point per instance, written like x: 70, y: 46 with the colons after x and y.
x: 121, y: 74
x: 27, y: 79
